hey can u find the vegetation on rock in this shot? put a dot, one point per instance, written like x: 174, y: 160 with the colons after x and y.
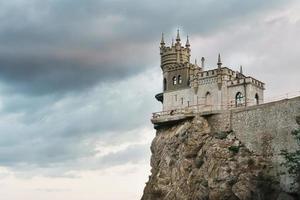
x: 292, y: 160
x: 234, y: 149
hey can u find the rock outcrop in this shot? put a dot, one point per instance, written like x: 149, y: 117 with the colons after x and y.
x: 190, y: 162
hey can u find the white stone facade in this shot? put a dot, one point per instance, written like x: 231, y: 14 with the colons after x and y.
x: 206, y: 94
x: 188, y: 85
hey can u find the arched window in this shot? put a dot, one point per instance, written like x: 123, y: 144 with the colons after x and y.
x: 179, y: 79
x: 165, y: 84
x: 208, y: 99
x: 174, y: 80
x: 239, y: 99
x: 256, y: 99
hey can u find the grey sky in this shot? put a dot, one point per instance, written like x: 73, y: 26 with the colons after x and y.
x: 77, y: 78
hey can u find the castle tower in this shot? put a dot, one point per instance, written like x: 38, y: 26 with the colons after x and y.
x: 175, y: 61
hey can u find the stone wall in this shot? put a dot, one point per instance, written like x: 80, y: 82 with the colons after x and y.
x: 177, y: 71
x: 264, y: 129
x: 267, y: 123
x: 177, y: 99
x: 275, y: 120
x: 220, y: 99
x: 209, y: 85
x: 220, y: 122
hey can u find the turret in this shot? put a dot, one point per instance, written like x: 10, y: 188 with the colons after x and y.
x: 187, y: 44
x: 219, y: 77
x: 178, y: 37
x: 219, y: 62
x: 202, y: 63
x: 175, y: 61
x: 174, y: 54
x: 162, y: 42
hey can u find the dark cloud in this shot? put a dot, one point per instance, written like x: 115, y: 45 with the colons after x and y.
x: 61, y: 46
x: 62, y: 132
x: 34, y: 74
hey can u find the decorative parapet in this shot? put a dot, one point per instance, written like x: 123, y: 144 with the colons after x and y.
x: 175, y: 67
x: 208, y: 73
x: 247, y: 80
x: 214, y: 72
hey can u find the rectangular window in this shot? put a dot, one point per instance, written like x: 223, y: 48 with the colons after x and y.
x: 175, y: 97
x: 188, y: 103
x: 181, y: 101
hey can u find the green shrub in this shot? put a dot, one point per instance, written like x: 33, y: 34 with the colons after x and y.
x: 292, y: 159
x: 234, y: 149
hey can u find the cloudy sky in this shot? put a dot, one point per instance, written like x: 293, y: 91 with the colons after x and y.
x: 77, y: 81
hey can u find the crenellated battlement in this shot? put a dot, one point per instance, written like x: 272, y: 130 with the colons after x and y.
x: 173, y: 56
x: 246, y: 80
x: 175, y: 53
x: 207, y: 74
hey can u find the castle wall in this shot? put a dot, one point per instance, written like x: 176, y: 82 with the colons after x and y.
x: 177, y: 99
x: 273, y: 120
x: 265, y: 129
x: 217, y: 100
x: 252, y: 90
x: 232, y: 91
x: 179, y: 71
x: 208, y: 85
x: 249, y: 91
x: 252, y: 124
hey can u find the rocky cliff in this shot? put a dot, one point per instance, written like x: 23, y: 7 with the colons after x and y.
x: 192, y: 161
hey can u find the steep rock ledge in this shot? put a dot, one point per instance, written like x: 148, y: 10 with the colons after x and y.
x: 190, y: 162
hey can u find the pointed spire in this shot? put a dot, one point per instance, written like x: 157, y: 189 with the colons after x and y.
x: 219, y: 61
x: 202, y: 62
x: 187, y: 44
x: 162, y: 42
x: 196, y: 62
x: 241, y: 69
x: 178, y: 36
x: 172, y: 41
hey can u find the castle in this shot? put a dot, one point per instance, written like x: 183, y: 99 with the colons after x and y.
x: 214, y: 138
x: 192, y: 87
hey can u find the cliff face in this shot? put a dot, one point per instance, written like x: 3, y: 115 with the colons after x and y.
x: 191, y: 162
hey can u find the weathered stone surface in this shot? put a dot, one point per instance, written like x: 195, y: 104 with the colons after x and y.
x: 298, y: 119
x: 284, y: 196
x: 190, y: 163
